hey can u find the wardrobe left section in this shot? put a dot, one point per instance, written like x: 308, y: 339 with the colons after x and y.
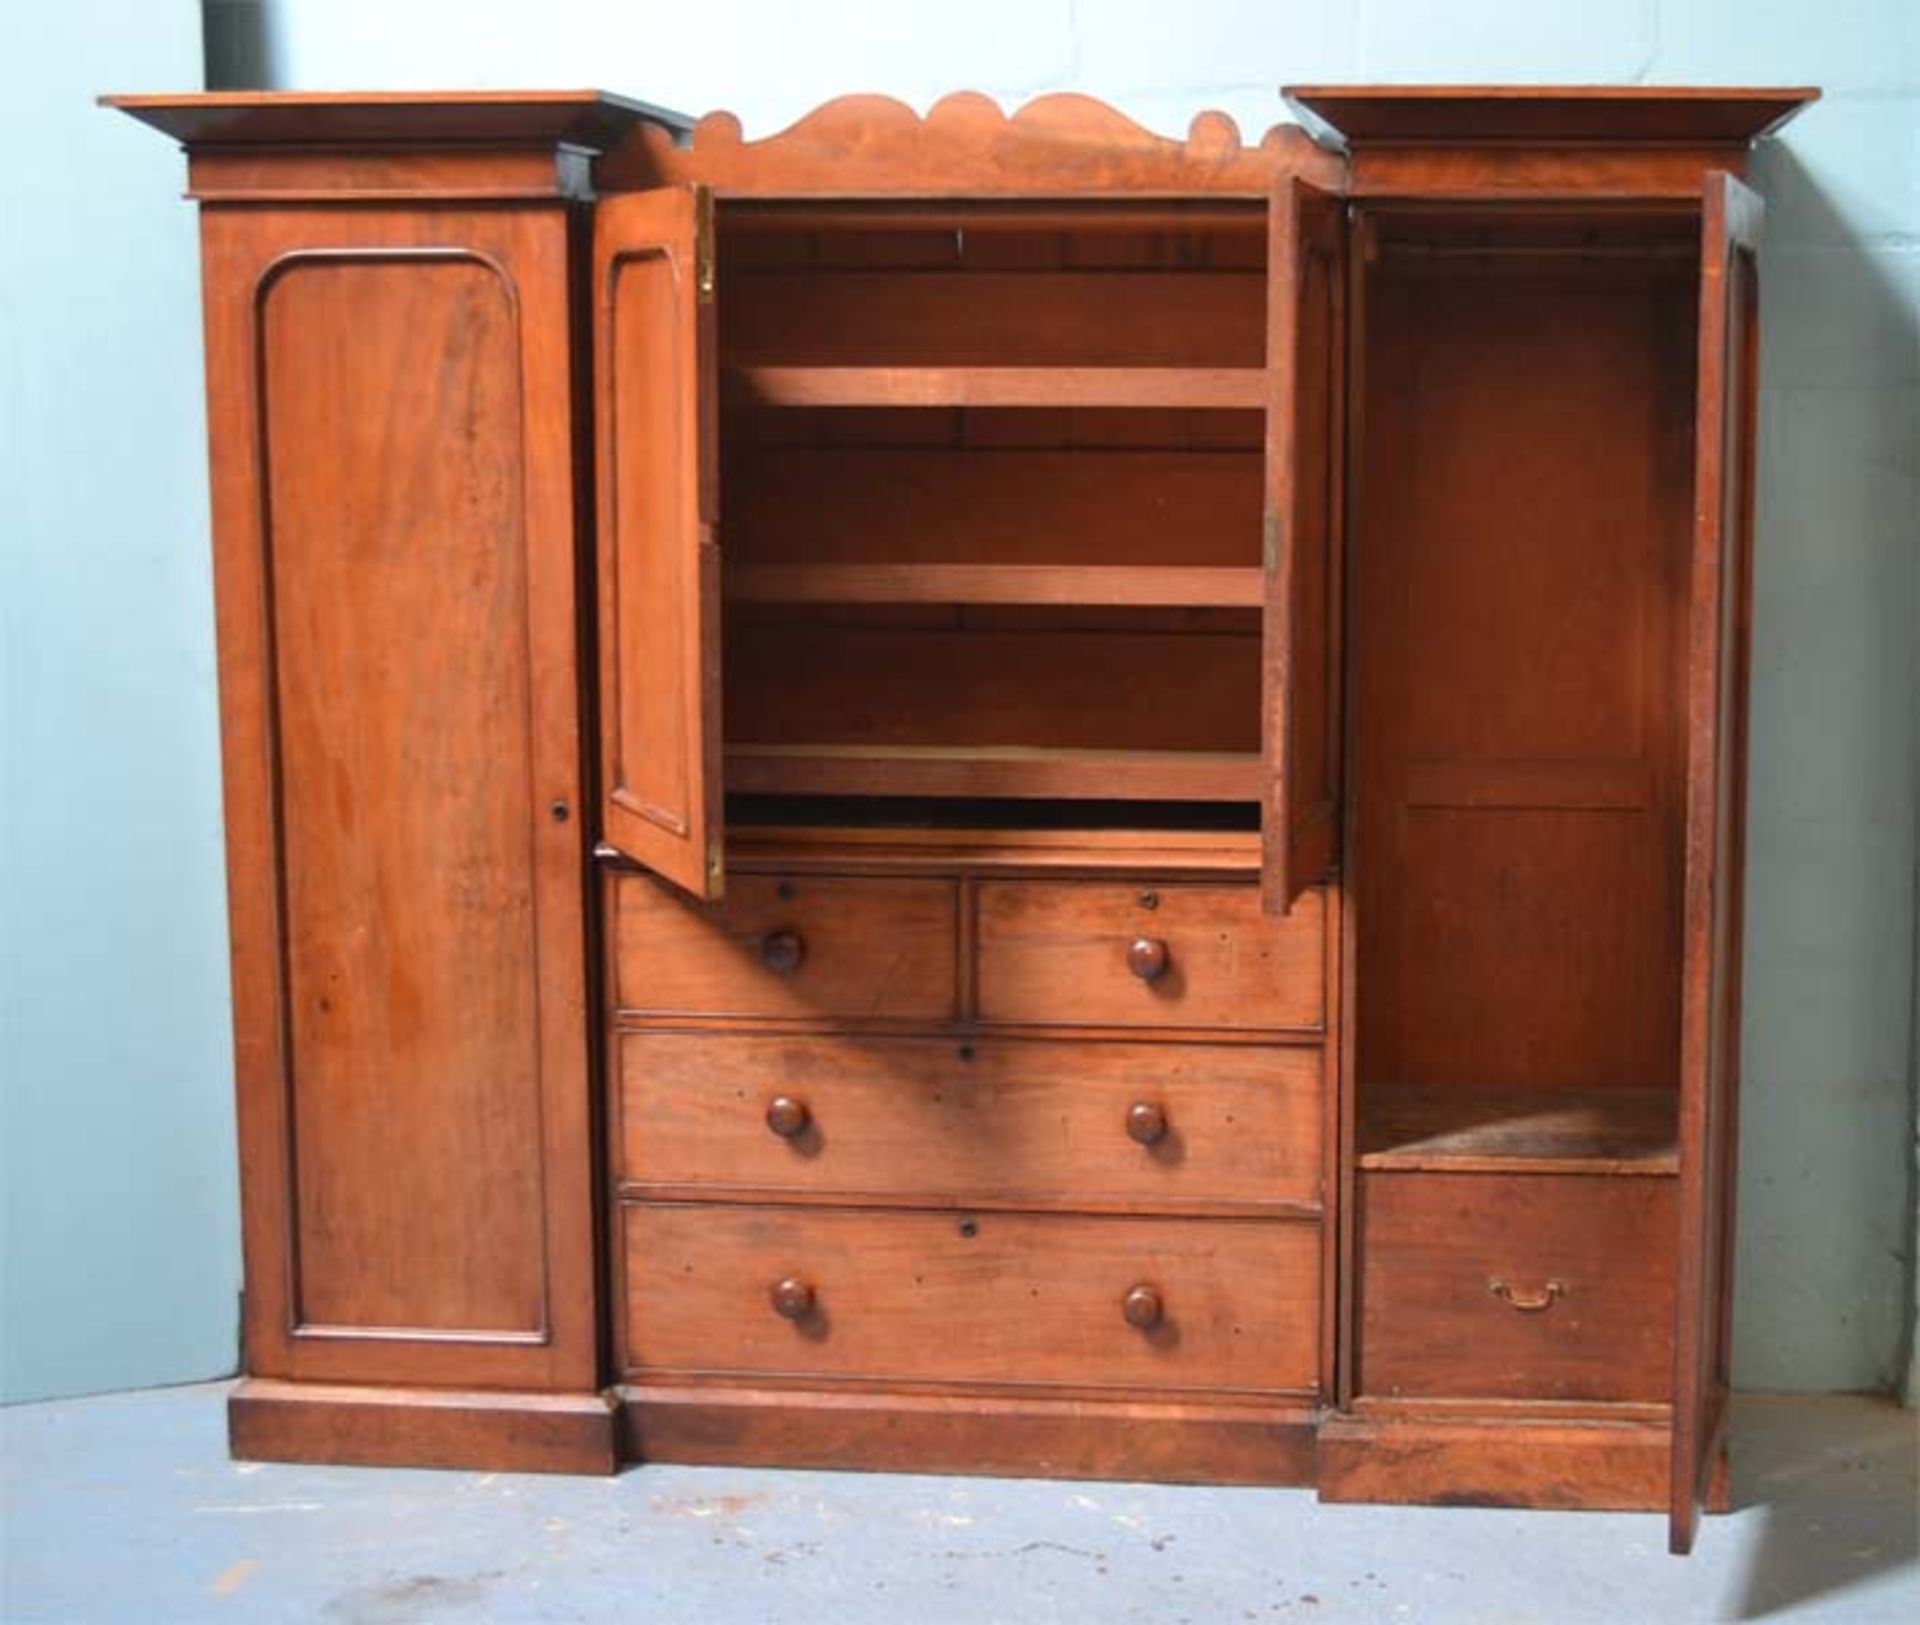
x: 391, y: 302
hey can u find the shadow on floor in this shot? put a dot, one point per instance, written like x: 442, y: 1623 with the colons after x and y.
x: 1840, y: 1504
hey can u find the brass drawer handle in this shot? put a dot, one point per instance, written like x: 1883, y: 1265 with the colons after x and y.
x: 1147, y: 958
x: 1528, y: 1303
x: 787, y: 1117
x: 1142, y: 1307
x: 793, y: 1299
x: 1146, y: 1122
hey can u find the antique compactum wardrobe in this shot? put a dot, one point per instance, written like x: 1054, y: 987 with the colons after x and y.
x: 988, y: 793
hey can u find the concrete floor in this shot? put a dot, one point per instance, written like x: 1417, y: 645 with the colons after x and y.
x: 125, y: 1508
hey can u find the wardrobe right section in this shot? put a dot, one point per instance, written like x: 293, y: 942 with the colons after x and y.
x: 1546, y: 646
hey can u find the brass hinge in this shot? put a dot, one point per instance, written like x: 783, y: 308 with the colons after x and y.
x: 703, y: 244
x: 1270, y: 542
x: 716, y: 860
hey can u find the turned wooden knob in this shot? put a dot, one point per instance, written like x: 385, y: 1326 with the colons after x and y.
x: 1147, y: 1122
x: 782, y: 951
x: 792, y: 1298
x: 1147, y: 958
x: 787, y: 1116
x: 1142, y: 1306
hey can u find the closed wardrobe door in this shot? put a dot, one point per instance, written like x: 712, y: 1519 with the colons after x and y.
x: 396, y: 574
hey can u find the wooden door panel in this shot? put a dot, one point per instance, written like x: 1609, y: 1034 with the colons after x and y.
x: 1717, y: 672
x: 412, y: 986
x: 394, y: 522
x: 1519, y: 565
x: 659, y: 561
x: 1306, y: 304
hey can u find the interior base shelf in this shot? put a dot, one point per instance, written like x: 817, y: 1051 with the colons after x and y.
x: 1495, y: 1130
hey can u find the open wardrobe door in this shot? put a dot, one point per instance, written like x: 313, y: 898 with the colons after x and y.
x: 1717, y: 670
x: 1306, y: 306
x: 657, y: 406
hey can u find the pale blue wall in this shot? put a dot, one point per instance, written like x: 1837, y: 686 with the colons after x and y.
x: 124, y: 989
x: 119, y: 1253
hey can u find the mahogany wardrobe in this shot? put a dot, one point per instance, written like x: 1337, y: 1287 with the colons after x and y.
x: 988, y: 793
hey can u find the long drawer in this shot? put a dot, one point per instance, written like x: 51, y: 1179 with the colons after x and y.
x: 996, y: 1298
x: 1516, y: 1286
x: 1100, y: 953
x: 799, y: 949
x: 1009, y: 1121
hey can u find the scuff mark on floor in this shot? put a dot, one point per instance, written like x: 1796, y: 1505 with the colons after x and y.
x: 415, y: 1600
x: 234, y: 1576
x: 715, y: 1506
x: 1028, y: 1550
x: 264, y: 1506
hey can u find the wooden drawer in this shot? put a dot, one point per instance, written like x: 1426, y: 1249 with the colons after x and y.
x: 1029, y: 1299
x: 1016, y: 1121
x: 1065, y: 954
x: 796, y: 948
x: 1516, y: 1286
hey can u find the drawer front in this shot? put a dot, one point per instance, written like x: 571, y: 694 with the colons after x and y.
x: 1089, y: 953
x: 799, y: 949
x: 1024, y: 1299
x: 1012, y: 1120
x: 1516, y: 1286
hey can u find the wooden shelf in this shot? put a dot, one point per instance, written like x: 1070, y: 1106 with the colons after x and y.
x: 994, y: 771
x: 1187, y: 587
x: 1465, y: 1130
x: 833, y: 848
x: 1079, y: 215
x: 1244, y: 388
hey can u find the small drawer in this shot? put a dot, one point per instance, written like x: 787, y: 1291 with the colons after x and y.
x: 1095, y: 954
x: 808, y: 947
x: 1002, y: 1298
x: 1008, y: 1119
x: 1516, y: 1286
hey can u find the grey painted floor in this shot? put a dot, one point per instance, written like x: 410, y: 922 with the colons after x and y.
x: 125, y: 1508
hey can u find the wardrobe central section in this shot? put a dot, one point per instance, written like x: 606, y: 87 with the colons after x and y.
x: 991, y: 497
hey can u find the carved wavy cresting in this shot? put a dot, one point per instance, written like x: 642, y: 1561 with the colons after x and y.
x: 966, y: 143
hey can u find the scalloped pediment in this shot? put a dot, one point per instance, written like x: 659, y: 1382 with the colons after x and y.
x: 966, y: 144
